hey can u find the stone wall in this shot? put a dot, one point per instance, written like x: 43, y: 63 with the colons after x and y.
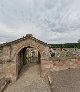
x: 61, y: 64
x: 10, y: 71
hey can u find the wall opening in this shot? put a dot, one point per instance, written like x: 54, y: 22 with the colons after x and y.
x: 27, y: 55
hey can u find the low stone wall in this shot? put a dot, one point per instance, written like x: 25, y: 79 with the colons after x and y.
x: 61, y: 64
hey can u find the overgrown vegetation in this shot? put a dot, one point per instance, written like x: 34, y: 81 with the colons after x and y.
x: 66, y: 45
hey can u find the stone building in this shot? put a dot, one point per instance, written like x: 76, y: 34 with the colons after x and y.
x: 15, y: 54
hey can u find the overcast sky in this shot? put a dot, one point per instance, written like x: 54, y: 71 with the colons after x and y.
x: 52, y: 21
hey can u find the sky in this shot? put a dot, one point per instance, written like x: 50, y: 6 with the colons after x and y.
x: 52, y: 21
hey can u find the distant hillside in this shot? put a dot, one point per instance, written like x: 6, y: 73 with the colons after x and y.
x: 66, y: 45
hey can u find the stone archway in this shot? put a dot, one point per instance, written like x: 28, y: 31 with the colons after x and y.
x: 43, y: 51
x: 10, y: 51
x: 27, y: 55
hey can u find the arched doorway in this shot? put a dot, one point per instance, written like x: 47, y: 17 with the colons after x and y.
x: 27, y: 55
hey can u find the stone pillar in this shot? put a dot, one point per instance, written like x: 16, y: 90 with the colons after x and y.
x: 45, y: 67
x: 45, y: 64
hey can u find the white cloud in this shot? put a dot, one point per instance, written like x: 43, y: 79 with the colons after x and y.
x: 53, y: 21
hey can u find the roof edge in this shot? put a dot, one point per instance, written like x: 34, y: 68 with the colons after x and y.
x: 23, y: 38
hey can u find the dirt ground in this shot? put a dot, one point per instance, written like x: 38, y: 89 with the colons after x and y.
x: 29, y: 81
x: 66, y: 80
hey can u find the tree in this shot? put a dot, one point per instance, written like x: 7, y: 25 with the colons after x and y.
x: 79, y: 41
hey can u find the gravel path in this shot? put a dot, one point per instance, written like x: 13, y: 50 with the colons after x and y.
x: 29, y: 81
